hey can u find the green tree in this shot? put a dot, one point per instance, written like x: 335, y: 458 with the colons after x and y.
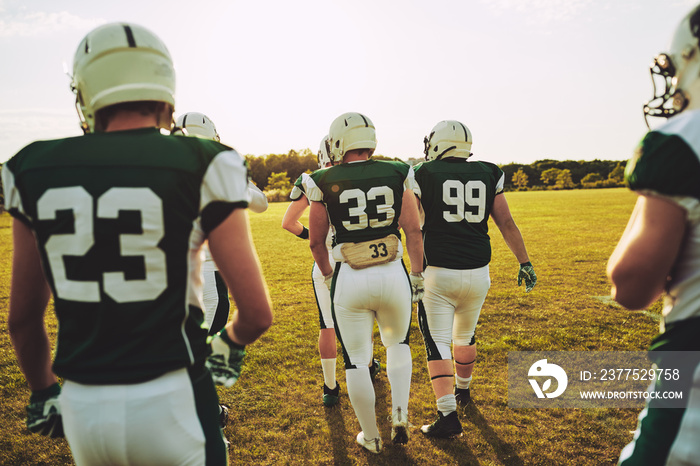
x: 520, y: 179
x: 592, y: 178
x: 618, y: 173
x: 550, y: 175
x: 564, y: 180
x: 279, y: 181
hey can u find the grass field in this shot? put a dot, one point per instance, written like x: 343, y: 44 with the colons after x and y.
x: 277, y: 416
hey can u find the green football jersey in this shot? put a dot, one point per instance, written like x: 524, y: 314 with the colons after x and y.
x: 119, y: 219
x: 666, y: 164
x: 456, y: 197
x: 363, y: 199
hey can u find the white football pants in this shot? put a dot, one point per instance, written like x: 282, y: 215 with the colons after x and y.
x: 155, y: 422
x: 382, y: 292
x: 452, y: 301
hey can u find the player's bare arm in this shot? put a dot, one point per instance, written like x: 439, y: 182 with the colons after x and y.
x: 640, y: 265
x: 503, y: 219
x: 318, y: 230
x: 240, y: 268
x: 410, y: 224
x: 29, y: 296
x: 296, y: 209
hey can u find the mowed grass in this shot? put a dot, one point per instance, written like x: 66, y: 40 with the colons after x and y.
x: 276, y: 412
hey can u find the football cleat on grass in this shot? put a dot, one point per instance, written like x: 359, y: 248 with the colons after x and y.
x: 462, y: 396
x: 374, y: 444
x: 223, y: 415
x: 374, y: 369
x: 399, y: 427
x: 330, y: 397
x: 445, y: 426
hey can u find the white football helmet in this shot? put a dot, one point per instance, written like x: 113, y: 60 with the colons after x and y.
x: 120, y: 62
x: 676, y: 71
x: 196, y: 124
x: 324, y: 158
x: 348, y: 132
x: 448, y: 138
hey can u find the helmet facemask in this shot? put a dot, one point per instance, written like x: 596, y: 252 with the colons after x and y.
x: 323, y: 156
x: 667, y: 100
x: 677, y: 72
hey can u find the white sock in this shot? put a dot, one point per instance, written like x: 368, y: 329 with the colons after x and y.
x: 462, y: 382
x: 399, y: 365
x: 446, y: 404
x: 362, y: 398
x: 328, y: 367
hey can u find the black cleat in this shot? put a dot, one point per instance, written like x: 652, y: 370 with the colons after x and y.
x: 374, y: 369
x: 223, y: 415
x: 399, y: 427
x: 330, y: 397
x: 444, y: 427
x: 462, y: 396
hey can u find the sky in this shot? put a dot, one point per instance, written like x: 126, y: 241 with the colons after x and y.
x: 532, y: 79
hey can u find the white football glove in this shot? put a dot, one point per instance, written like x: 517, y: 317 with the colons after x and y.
x: 226, y: 360
x: 328, y: 280
x: 44, y: 412
x: 417, y: 286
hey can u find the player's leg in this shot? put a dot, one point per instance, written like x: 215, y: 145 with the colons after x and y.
x: 435, y: 318
x: 467, y: 313
x: 169, y: 420
x: 223, y: 305
x: 667, y: 435
x: 394, y: 322
x: 685, y: 448
x: 327, y: 347
x: 211, y: 294
x: 354, y: 323
x: 216, y: 310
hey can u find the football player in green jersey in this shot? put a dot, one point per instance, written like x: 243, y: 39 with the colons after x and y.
x: 111, y: 224
x: 217, y: 307
x: 456, y: 197
x: 659, y: 250
x: 366, y: 203
x: 326, y: 337
x: 215, y: 295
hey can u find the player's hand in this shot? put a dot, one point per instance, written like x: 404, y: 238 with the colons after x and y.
x: 527, y: 273
x: 417, y: 286
x: 44, y: 412
x: 226, y: 359
x: 328, y: 280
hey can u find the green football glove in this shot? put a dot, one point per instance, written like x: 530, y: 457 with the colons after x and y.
x: 527, y: 273
x: 44, y: 412
x: 226, y: 359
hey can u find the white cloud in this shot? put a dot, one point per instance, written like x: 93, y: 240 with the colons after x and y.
x: 40, y: 23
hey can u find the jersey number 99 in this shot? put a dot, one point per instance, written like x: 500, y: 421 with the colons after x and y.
x: 458, y: 194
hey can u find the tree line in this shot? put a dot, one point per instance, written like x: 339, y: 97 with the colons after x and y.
x: 276, y: 173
